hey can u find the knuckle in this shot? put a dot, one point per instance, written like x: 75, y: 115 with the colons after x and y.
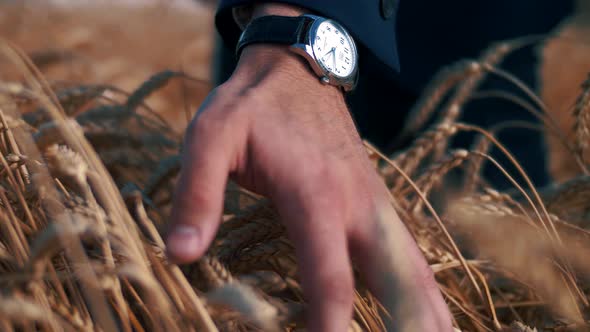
x: 324, y: 174
x: 321, y: 171
x: 215, y: 123
x: 199, y: 126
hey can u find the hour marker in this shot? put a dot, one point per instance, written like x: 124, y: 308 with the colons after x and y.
x: 346, y: 50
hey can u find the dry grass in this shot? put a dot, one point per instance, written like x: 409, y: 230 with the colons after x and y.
x: 560, y: 84
x: 114, y: 45
x: 87, y: 164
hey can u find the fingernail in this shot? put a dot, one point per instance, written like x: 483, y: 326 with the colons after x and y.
x: 183, y: 240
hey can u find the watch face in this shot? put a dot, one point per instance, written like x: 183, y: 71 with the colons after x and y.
x: 334, y: 49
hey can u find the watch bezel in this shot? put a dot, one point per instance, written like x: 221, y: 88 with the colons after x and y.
x: 327, y: 76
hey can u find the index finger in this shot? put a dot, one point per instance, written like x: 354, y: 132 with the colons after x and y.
x: 198, y: 197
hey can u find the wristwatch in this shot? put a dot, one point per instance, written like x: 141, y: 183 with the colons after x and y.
x: 325, y: 44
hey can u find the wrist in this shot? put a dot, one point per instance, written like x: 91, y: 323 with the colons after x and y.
x: 326, y: 46
x: 260, y: 61
x: 266, y: 58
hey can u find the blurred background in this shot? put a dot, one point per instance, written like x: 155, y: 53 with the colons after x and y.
x: 121, y: 43
x: 124, y: 42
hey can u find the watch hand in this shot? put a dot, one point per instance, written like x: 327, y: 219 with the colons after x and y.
x: 330, y: 51
x: 334, y: 56
x: 333, y: 51
x: 326, y: 54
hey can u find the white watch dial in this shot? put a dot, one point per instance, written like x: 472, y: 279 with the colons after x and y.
x: 334, y: 49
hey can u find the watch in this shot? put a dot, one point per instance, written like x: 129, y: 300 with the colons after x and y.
x: 325, y: 44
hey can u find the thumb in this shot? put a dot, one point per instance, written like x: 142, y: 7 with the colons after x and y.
x: 198, y: 197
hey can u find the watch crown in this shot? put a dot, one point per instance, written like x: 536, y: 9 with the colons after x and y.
x: 325, y: 79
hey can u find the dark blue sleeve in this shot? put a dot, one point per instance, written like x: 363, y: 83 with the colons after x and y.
x: 363, y: 18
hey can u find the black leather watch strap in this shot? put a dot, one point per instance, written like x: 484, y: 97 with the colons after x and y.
x: 284, y: 30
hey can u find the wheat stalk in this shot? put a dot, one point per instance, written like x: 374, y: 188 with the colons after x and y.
x: 89, y: 254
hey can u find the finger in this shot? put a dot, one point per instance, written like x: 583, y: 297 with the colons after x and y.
x: 324, y: 263
x: 398, y: 274
x: 198, y: 198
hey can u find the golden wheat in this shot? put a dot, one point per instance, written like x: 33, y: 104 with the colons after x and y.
x: 86, y: 175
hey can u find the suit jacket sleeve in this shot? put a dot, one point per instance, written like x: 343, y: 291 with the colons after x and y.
x: 363, y: 18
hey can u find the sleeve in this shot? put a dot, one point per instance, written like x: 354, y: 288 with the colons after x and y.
x: 370, y: 22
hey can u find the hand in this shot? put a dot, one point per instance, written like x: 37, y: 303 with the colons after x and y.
x: 276, y: 130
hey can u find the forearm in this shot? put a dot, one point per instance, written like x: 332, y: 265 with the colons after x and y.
x: 276, y: 8
x: 243, y: 14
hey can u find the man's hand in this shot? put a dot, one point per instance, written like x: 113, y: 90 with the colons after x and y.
x: 276, y: 130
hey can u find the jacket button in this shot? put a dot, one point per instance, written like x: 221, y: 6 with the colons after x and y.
x: 388, y: 8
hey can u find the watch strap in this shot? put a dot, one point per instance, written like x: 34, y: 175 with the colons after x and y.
x: 272, y: 29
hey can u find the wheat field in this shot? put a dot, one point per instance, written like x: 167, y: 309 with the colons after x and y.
x: 90, y: 134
